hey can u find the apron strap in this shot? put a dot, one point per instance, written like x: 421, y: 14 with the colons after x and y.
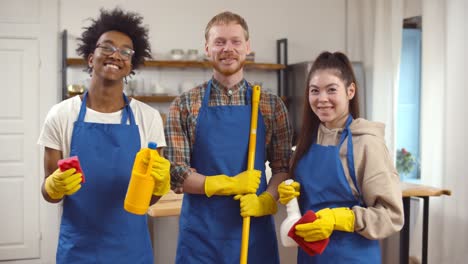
x: 248, y: 95
x: 82, y: 113
x: 206, y: 97
x: 350, y: 156
x: 126, y: 111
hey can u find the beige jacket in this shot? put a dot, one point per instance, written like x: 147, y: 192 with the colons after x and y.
x: 376, y: 175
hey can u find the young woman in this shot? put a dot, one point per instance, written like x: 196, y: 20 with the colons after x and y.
x: 105, y: 129
x: 342, y: 169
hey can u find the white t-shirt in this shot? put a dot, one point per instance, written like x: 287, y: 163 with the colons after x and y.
x: 58, y: 126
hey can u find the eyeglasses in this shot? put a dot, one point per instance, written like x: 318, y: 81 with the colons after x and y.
x: 108, y: 49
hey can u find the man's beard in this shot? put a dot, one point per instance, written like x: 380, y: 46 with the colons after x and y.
x: 229, y: 71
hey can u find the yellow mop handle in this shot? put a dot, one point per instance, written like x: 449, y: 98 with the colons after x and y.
x: 250, y: 166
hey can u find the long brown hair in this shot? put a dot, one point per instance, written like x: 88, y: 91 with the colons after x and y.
x: 340, y: 64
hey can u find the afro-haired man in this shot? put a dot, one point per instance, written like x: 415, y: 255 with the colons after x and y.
x: 105, y: 129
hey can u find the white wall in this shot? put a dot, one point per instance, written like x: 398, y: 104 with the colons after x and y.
x: 412, y: 8
x: 181, y: 24
x: 173, y: 24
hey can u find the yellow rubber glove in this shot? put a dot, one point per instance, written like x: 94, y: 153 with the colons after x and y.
x: 288, y: 192
x: 59, y: 183
x: 243, y: 183
x: 341, y: 219
x: 253, y: 205
x: 160, y: 170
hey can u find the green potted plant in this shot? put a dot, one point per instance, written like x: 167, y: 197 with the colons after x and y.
x: 405, y: 161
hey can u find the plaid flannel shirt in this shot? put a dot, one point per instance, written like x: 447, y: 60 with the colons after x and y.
x: 182, y: 120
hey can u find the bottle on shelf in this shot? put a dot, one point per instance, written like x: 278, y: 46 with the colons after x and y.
x: 294, y: 214
x: 141, y: 185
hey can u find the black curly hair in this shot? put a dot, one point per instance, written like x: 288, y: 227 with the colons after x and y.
x: 128, y: 23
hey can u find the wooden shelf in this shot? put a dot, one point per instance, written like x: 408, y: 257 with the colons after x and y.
x: 277, y: 68
x: 189, y: 64
x: 177, y: 64
x: 155, y: 98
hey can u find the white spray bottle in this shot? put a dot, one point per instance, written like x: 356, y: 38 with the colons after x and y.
x: 294, y: 214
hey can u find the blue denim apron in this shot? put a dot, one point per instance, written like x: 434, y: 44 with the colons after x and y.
x: 211, y: 228
x: 324, y: 185
x: 95, y: 228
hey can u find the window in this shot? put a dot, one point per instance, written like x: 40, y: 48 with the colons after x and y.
x: 408, y: 106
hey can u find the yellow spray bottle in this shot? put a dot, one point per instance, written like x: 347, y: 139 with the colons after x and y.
x: 140, y: 188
